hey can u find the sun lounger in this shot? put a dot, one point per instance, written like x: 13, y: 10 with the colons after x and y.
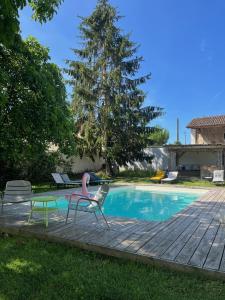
x: 158, y: 176
x: 172, y: 176
x: 68, y: 181
x: 96, y: 179
x: 58, y: 179
x: 63, y: 180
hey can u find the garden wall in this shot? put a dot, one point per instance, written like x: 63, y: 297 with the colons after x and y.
x: 159, y: 161
x: 77, y: 165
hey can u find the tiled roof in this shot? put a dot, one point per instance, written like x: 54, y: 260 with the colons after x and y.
x: 207, y: 122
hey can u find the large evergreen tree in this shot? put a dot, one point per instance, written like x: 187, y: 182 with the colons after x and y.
x: 107, y: 100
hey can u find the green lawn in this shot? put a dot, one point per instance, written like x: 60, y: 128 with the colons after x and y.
x: 135, y: 177
x: 45, y: 187
x: 142, y: 177
x: 186, y: 183
x: 32, y: 269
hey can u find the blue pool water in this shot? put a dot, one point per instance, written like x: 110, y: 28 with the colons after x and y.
x: 143, y: 204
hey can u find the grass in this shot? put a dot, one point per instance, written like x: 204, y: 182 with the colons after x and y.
x: 142, y: 177
x: 136, y: 178
x: 43, y: 187
x: 192, y: 182
x: 32, y: 269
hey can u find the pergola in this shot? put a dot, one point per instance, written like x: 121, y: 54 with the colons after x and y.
x: 177, y: 151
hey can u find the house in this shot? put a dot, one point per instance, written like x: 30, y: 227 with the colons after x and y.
x: 206, y: 151
x: 208, y: 130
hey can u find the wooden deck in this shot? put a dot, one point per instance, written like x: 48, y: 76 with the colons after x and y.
x: 193, y: 239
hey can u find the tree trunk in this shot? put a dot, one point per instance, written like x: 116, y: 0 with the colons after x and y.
x: 109, y: 167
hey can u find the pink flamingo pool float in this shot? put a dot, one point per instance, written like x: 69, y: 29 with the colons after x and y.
x: 84, y: 193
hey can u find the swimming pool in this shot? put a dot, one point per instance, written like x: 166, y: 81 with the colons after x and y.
x: 144, y: 204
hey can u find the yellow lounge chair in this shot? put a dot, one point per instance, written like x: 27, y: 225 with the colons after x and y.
x: 158, y: 176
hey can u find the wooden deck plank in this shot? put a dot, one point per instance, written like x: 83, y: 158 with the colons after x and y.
x: 222, y: 263
x: 215, y: 255
x: 169, y: 239
x: 99, y: 236
x: 177, y: 246
x: 76, y: 232
x: 170, y: 232
x: 127, y: 242
x: 158, y: 243
x: 206, y: 217
x: 161, y: 228
x: 118, y: 239
x: 186, y: 253
x: 199, y: 257
x: 180, y: 242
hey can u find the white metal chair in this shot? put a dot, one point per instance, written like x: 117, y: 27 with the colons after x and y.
x: 94, y: 205
x: 17, y: 191
x: 218, y: 176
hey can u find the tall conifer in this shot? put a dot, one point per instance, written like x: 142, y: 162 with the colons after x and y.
x: 110, y: 119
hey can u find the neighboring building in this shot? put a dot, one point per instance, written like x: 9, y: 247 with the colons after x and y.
x: 208, y: 130
x: 205, y: 154
x: 206, y: 151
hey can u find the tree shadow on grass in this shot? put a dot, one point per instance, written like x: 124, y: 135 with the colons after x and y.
x: 32, y: 269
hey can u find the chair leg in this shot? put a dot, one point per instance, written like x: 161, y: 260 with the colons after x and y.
x: 31, y: 212
x: 96, y: 216
x: 56, y: 205
x: 46, y: 215
x: 67, y: 215
x: 30, y: 216
x: 104, y: 217
x: 75, y: 217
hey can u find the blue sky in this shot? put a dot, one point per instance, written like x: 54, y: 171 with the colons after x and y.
x: 182, y: 42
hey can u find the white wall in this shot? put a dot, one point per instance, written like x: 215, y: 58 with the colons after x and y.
x: 193, y: 136
x: 76, y: 165
x: 161, y: 157
x: 198, y: 158
x: 160, y: 160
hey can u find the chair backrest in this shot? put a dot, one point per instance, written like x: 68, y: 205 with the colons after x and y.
x: 102, y: 194
x: 218, y: 175
x: 57, y: 178
x: 18, y: 191
x: 65, y: 178
x: 172, y: 175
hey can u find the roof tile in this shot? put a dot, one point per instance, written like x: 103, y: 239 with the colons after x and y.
x: 207, y: 122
